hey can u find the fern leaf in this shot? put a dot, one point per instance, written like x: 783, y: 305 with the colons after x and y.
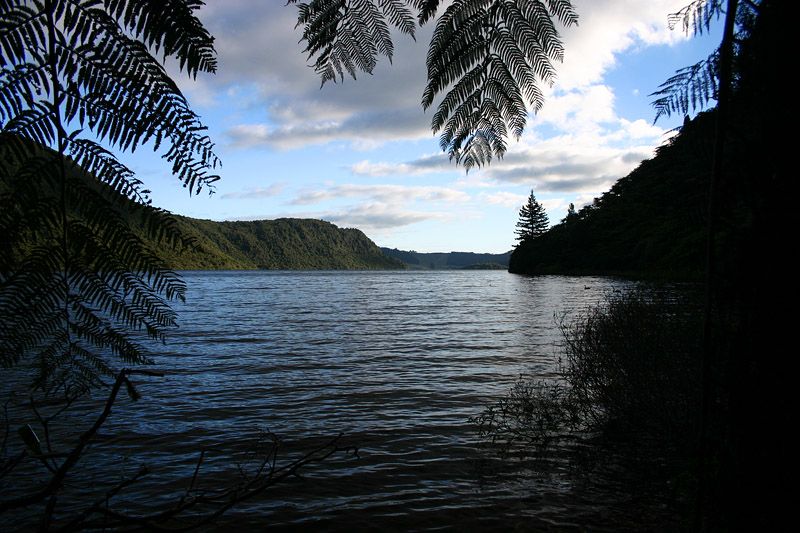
x: 489, y: 57
x: 689, y: 90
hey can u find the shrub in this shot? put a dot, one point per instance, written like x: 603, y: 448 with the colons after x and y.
x: 631, y: 368
x: 633, y: 363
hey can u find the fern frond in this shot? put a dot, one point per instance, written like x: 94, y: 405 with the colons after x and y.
x: 489, y: 57
x: 349, y: 35
x: 117, y: 88
x: 170, y: 27
x: 690, y: 89
x: 426, y: 9
x: 398, y: 14
x: 697, y: 16
x: 76, y: 281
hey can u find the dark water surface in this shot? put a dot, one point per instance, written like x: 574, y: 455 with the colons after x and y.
x: 397, y: 362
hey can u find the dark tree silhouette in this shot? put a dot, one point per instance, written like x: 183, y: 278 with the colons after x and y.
x: 571, y: 214
x: 727, y: 170
x: 743, y: 461
x: 532, y: 221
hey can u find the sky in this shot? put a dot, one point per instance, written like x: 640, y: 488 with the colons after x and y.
x: 361, y: 153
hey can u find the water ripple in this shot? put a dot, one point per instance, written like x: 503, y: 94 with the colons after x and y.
x: 397, y: 361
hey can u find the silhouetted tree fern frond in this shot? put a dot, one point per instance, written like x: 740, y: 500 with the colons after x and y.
x: 79, y: 78
x: 697, y: 16
x: 70, y: 295
x: 689, y: 90
x: 489, y: 57
x: 98, y: 65
x: 426, y: 9
x: 349, y: 35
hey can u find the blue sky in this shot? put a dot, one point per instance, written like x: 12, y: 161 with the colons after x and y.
x: 361, y: 153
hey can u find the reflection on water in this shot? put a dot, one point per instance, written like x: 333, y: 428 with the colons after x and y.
x: 395, y: 361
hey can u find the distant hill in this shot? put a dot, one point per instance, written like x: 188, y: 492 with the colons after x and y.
x: 449, y: 260
x: 282, y: 244
x: 651, y: 223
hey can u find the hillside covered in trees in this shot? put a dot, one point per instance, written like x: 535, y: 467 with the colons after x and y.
x: 650, y: 223
x: 448, y: 260
x: 282, y: 244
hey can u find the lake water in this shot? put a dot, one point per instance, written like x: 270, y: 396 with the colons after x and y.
x: 396, y: 362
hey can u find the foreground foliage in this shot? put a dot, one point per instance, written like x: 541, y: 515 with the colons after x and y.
x: 651, y: 222
x: 78, y: 78
x: 630, y: 366
x: 625, y: 409
x: 486, y: 61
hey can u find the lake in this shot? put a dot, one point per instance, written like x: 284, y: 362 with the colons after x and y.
x: 397, y: 362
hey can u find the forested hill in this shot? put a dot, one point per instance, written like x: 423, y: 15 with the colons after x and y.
x: 449, y: 260
x: 282, y: 244
x: 650, y: 223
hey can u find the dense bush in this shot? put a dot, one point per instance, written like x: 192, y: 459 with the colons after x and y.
x: 631, y: 368
x: 633, y: 363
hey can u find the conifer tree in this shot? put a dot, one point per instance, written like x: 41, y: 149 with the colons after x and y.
x: 532, y: 221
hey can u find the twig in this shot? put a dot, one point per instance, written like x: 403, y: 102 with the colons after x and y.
x: 74, y: 524
x: 264, y: 479
x: 73, y: 456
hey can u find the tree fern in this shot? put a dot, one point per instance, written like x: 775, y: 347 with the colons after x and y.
x: 78, y: 79
x: 697, y: 16
x: 488, y: 57
x: 349, y: 35
x: 692, y: 88
x: 689, y: 89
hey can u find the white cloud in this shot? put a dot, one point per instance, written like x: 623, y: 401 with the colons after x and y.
x: 393, y: 194
x: 607, y: 28
x: 373, y: 218
x: 640, y: 129
x: 259, y: 49
x: 256, y: 192
x: 579, y: 111
x: 553, y: 204
x: 365, y: 131
x: 505, y: 198
x: 579, y: 159
x: 379, y: 217
x: 262, y: 67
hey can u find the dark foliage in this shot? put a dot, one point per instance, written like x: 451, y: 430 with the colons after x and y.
x: 487, y: 57
x: 632, y: 365
x: 749, y: 385
x: 742, y: 449
x: 692, y: 88
x: 630, y: 368
x: 532, y: 221
x: 624, y: 412
x: 74, y: 278
x: 349, y: 35
x: 69, y: 304
x: 448, y: 260
x: 650, y: 223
